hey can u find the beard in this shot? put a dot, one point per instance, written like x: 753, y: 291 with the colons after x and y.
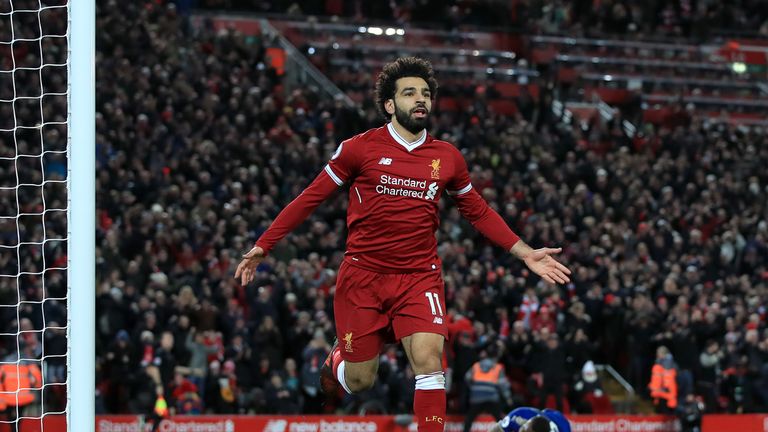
x: 411, y: 124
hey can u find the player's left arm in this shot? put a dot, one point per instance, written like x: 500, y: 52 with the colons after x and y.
x: 486, y: 220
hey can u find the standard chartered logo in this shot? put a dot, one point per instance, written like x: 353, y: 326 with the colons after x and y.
x: 407, y: 187
x: 432, y: 191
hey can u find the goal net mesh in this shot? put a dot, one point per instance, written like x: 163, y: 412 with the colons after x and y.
x: 33, y: 211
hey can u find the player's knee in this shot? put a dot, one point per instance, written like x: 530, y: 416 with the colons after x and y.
x: 427, y: 361
x: 361, y: 382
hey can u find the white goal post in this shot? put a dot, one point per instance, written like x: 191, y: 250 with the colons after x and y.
x: 47, y: 215
x: 81, y: 217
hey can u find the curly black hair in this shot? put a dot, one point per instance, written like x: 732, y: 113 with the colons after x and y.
x: 401, y: 68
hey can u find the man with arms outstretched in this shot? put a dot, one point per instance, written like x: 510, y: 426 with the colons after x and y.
x: 390, y: 281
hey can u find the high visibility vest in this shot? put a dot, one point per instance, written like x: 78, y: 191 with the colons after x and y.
x: 161, y: 407
x: 18, y: 382
x: 663, y: 385
x: 3, y: 403
x: 492, y: 376
x: 484, y: 385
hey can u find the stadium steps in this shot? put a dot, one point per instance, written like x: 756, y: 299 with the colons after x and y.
x: 623, y: 401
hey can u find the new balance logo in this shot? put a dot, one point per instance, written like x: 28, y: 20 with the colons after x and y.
x: 385, y: 161
x: 437, y: 320
x: 432, y: 191
x: 276, y: 426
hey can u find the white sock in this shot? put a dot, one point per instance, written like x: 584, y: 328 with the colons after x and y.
x: 340, y: 377
x: 432, y: 381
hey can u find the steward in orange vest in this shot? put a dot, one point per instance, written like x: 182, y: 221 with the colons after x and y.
x: 19, y: 383
x: 488, y: 388
x: 663, y: 385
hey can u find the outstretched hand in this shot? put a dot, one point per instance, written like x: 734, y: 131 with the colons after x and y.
x: 540, y: 261
x: 246, y: 270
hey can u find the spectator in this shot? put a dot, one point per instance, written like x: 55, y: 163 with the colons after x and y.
x: 488, y: 387
x: 314, y: 356
x: 280, y: 398
x: 663, y: 385
x: 166, y: 362
x: 690, y: 414
x: 268, y: 341
x: 198, y: 358
x: 710, y: 374
x: 589, y: 397
x: 119, y: 369
x: 551, y: 362
x: 185, y: 396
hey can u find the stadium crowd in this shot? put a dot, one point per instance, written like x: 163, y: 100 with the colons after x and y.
x: 199, y: 147
x: 657, y: 18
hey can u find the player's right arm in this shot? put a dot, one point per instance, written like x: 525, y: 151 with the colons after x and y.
x: 341, y: 167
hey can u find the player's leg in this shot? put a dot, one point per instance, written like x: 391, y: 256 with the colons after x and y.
x: 352, y: 376
x: 418, y: 321
x: 425, y: 353
x: 354, y: 359
x: 351, y: 364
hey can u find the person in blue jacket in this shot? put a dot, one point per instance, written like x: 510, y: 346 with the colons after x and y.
x: 527, y: 419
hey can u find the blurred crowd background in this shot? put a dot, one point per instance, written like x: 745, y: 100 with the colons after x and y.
x: 200, y: 146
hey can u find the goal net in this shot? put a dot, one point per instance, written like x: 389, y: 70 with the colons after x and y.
x: 34, y: 214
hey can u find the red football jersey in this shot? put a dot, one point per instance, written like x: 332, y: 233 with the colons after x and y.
x: 394, y: 188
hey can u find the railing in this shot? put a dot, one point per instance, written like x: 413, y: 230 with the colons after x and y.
x: 379, y: 30
x: 299, y: 71
x: 567, y: 58
x: 613, y: 43
x: 409, y: 49
x: 628, y: 405
x: 459, y: 69
x: 670, y: 80
x: 706, y: 100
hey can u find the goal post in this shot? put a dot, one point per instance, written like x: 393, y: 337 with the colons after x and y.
x: 47, y: 215
x: 81, y: 152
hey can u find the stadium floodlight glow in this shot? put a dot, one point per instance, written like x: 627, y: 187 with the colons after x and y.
x: 508, y: 54
x: 489, y: 71
x: 475, y: 53
x: 739, y: 67
x: 336, y: 45
x: 362, y: 29
x: 400, y: 32
x: 390, y: 31
x: 377, y: 31
x: 608, y: 78
x: 311, y: 50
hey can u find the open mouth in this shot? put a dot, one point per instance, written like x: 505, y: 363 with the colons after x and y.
x: 420, y: 112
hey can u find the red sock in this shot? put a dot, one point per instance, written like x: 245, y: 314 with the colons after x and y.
x: 429, y: 409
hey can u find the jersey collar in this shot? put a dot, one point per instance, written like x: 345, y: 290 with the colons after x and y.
x: 408, y: 146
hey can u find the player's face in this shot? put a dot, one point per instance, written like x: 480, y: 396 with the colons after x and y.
x: 412, y: 103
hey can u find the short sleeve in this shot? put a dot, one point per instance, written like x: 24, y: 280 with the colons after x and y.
x: 344, y: 164
x: 460, y: 183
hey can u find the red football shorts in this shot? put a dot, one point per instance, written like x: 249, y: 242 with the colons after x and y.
x: 370, y: 307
